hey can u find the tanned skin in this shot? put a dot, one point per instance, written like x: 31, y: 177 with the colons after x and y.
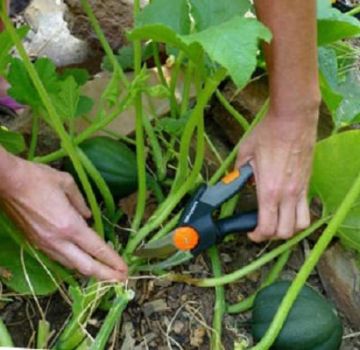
x: 280, y: 148
x: 51, y: 211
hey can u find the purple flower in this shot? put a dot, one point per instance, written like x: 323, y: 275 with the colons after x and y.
x: 10, y: 103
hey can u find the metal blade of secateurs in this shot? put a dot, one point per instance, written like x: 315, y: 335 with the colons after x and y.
x: 157, y: 249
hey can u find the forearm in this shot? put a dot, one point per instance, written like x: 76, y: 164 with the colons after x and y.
x: 291, y: 56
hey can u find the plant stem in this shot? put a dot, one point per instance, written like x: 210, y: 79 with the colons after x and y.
x: 354, y: 11
x: 140, y: 144
x: 99, y: 182
x: 156, y: 149
x: 34, y: 135
x: 5, y: 338
x: 310, y: 263
x: 53, y: 116
x: 231, y: 157
x: 167, y: 207
x: 103, y: 41
x: 253, y: 266
x: 219, y: 308
x: 273, y: 275
x: 111, y: 319
x: 210, y: 86
x: 43, y: 335
x: 238, y: 117
x: 92, y: 129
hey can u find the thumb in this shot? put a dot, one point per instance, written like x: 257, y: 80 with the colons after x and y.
x: 245, y: 154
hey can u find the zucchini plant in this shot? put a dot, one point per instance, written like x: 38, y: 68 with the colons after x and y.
x: 209, y: 41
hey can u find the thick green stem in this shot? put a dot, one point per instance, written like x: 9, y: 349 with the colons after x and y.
x: 91, y: 130
x: 253, y: 266
x: 168, y: 206
x: 354, y: 11
x: 43, y: 335
x: 219, y: 308
x: 111, y: 319
x: 103, y: 41
x: 273, y: 275
x: 156, y: 149
x: 310, y: 263
x: 140, y: 144
x: 231, y: 157
x: 34, y: 135
x: 210, y: 86
x: 238, y: 117
x: 5, y: 338
x: 100, y: 183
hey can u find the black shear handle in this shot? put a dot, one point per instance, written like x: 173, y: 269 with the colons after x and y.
x: 241, y: 223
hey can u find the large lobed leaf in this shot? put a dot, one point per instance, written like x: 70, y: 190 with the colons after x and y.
x: 233, y: 44
x: 173, y: 14
x: 334, y: 25
x: 207, y: 13
x: 12, y: 272
x: 336, y: 166
x: 341, y: 92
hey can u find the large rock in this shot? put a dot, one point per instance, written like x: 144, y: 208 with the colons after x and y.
x: 50, y: 36
x: 340, y: 275
x: 114, y: 16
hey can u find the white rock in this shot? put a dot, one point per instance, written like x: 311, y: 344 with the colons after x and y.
x: 50, y: 35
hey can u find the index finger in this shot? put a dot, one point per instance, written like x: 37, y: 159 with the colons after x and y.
x: 90, y: 242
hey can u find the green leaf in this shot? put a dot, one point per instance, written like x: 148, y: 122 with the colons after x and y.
x: 157, y: 91
x: 6, y: 45
x: 172, y: 126
x: 173, y: 14
x: 67, y: 99
x: 341, y: 92
x: 12, y: 272
x: 12, y: 141
x: 336, y: 166
x: 207, y: 13
x: 334, y: 25
x: 349, y: 110
x: 80, y: 75
x: 85, y: 105
x: 234, y: 45
x: 328, y: 67
x: 164, y: 34
x: 22, y: 88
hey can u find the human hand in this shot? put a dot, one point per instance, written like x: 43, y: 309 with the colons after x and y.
x: 49, y: 208
x: 280, y: 150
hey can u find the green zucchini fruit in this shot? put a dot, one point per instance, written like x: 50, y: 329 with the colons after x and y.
x: 115, y: 162
x: 312, y: 324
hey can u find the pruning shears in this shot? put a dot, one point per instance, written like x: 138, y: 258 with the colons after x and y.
x: 198, y: 229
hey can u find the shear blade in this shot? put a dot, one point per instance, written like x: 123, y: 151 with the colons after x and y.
x: 157, y: 249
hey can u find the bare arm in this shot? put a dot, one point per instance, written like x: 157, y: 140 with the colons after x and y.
x: 281, y: 146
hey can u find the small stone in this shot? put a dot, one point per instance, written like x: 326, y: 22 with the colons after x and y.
x: 178, y: 326
x: 197, y: 337
x: 155, y: 306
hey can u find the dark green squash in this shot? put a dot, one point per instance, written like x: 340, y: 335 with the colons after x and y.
x: 115, y: 162
x: 312, y: 323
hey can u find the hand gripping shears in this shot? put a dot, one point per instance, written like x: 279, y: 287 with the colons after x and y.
x: 198, y: 229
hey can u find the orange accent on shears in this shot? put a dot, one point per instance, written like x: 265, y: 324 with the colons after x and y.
x: 185, y: 238
x: 231, y: 177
